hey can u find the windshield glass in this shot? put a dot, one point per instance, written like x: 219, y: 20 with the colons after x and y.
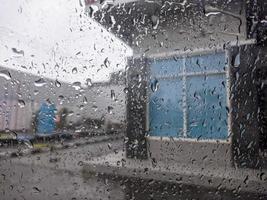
x: 133, y: 99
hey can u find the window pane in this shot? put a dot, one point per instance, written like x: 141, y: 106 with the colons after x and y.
x: 165, y: 109
x: 170, y: 67
x: 206, y: 63
x: 207, y: 115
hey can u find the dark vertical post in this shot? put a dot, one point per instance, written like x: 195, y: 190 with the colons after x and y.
x: 136, y: 100
x: 256, y: 12
x: 244, y: 107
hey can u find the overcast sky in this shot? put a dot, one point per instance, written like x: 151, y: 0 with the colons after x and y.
x: 56, y: 37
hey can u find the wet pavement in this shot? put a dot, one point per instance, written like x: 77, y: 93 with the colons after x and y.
x: 59, y: 175
x: 40, y: 144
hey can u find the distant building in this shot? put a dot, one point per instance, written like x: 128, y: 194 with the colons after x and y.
x: 22, y: 95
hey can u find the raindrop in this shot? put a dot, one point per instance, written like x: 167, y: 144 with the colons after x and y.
x: 154, y: 162
x: 35, y: 92
x: 112, y: 95
x: 5, y: 74
x: 21, y: 103
x: 209, y: 10
x: 155, y: 21
x: 95, y: 107
x: 85, y: 101
x: 70, y: 113
x: 106, y: 63
x: 74, y: 70
x: 57, y: 83
x: 110, y: 109
x: 36, y: 189
x: 139, y: 77
x: 126, y: 139
x: 11, y: 187
x: 246, y: 180
x: 125, y: 90
x: 76, y: 85
x: 118, y: 163
x: 91, y: 10
x: 56, y: 67
x: 60, y: 97
x: 263, y: 177
x: 112, y: 20
x: 21, y: 52
x: 89, y: 82
x: 211, y: 13
x: 28, y: 144
x: 40, y: 82
x: 81, y: 107
x: 236, y: 62
x: 154, y: 85
x: 81, y: 3
x: 54, y: 159
x: 80, y: 163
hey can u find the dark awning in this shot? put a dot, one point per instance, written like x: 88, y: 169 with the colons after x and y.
x: 134, y: 19
x: 158, y: 26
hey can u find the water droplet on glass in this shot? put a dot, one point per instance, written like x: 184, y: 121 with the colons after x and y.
x: 154, y: 85
x: 36, y: 189
x: 76, y: 85
x: 35, y: 92
x: 40, y: 82
x: 57, y: 83
x: 110, y: 109
x: 106, y: 63
x: 74, y: 70
x: 5, y: 74
x: 80, y: 163
x: 210, y: 10
x: 61, y: 99
x: 19, y: 95
x: 125, y: 90
x: 113, y: 21
x: 246, y: 180
x: 263, y: 177
x: 21, y: 103
x: 237, y: 60
x: 81, y: 3
x: 155, y: 21
x: 16, y: 51
x: 89, y: 82
x: 56, y: 67
x: 211, y: 13
x: 70, y: 113
x: 85, y: 101
x: 112, y: 95
x: 95, y: 107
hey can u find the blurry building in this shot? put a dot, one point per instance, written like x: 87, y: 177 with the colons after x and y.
x: 22, y: 94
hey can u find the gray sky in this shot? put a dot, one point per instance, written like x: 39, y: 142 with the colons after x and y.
x: 49, y: 33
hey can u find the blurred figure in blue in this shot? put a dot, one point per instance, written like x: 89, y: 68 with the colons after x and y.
x: 46, y: 118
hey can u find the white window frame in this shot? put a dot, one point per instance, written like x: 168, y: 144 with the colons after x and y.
x: 185, y: 103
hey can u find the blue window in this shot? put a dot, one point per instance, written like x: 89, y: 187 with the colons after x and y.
x: 188, y: 97
x: 166, y: 108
